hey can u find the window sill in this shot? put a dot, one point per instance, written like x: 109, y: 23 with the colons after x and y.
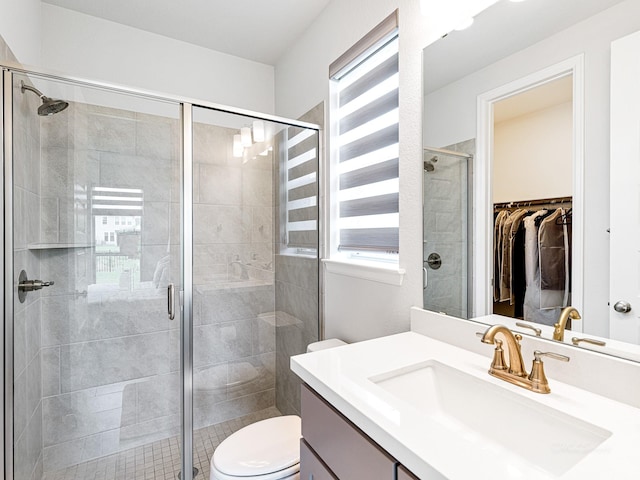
x: 391, y: 275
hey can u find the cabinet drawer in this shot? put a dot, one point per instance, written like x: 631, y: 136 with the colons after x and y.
x: 348, y: 452
x: 311, y: 467
x: 404, y: 474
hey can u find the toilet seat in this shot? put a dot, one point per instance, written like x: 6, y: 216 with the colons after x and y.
x: 265, y: 450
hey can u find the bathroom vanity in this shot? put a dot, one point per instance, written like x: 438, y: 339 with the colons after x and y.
x: 416, y: 406
x: 333, y: 447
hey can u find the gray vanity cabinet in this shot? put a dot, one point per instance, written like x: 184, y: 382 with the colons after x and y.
x: 404, y: 474
x: 333, y: 448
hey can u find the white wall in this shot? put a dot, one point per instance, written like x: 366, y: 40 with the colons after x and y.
x: 532, y: 155
x: 20, y: 24
x: 357, y: 309
x: 88, y: 47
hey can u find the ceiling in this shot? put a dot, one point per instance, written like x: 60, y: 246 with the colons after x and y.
x: 256, y: 30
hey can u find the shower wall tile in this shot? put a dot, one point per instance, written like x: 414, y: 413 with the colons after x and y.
x: 221, y: 185
x: 157, y: 137
x: 34, y: 386
x: 213, y: 144
x: 80, y: 414
x: 22, y: 469
x: 33, y: 331
x: 223, y: 305
x: 147, y: 432
x: 50, y: 371
x: 127, y: 171
x: 19, y: 341
x: 114, y: 360
x: 156, y: 223
x: 63, y: 455
x: 262, y: 225
x: 264, y: 333
x: 20, y: 413
x: 257, y: 187
x: 221, y: 224
x: 67, y: 268
x: 34, y: 438
x: 110, y: 130
x: 251, y: 375
x: 205, y: 414
x: 158, y: 396
x: 71, y: 319
x: 221, y: 342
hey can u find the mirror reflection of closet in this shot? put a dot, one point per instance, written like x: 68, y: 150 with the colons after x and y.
x: 532, y: 173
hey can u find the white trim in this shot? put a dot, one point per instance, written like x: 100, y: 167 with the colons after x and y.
x: 482, y: 300
x: 373, y: 271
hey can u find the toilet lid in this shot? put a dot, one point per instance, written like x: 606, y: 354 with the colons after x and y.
x: 260, y: 448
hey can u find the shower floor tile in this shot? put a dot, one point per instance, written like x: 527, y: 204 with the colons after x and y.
x: 159, y: 460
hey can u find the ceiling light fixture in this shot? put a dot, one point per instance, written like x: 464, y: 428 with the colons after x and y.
x: 237, y: 146
x: 258, y: 131
x: 245, y: 136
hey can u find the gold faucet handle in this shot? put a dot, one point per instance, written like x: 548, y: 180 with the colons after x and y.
x: 539, y: 382
x: 536, y: 330
x: 537, y: 354
x: 576, y: 341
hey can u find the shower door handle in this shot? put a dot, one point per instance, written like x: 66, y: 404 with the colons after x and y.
x: 171, y: 301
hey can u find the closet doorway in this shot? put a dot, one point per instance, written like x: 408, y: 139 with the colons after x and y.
x: 529, y: 136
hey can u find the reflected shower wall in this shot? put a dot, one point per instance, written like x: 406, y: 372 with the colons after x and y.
x: 446, y: 217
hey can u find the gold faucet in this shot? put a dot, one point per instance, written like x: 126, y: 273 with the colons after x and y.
x: 566, y: 314
x: 515, y: 372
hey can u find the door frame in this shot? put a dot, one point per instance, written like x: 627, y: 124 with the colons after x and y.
x: 482, y: 303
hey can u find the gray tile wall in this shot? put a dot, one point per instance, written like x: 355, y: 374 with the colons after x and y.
x: 445, y: 231
x: 27, y: 324
x: 297, y: 308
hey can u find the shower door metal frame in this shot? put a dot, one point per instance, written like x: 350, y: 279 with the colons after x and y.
x: 186, y: 238
x: 7, y: 268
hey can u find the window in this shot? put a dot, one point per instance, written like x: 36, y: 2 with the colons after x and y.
x: 301, y: 187
x: 104, y: 220
x: 365, y: 120
x: 117, y: 220
x: 106, y: 236
x: 112, y: 237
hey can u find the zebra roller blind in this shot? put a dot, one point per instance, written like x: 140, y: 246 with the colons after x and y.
x: 368, y: 152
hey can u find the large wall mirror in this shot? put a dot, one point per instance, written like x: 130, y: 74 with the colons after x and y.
x: 530, y: 115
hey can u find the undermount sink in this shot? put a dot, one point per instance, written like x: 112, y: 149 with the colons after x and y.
x: 492, y: 417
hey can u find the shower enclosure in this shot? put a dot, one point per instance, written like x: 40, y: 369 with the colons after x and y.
x: 161, y: 267
x: 447, y: 228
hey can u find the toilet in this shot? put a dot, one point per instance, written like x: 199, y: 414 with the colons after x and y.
x: 265, y: 450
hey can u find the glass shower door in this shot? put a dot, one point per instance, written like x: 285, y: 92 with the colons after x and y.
x: 96, y: 242
x: 446, y: 185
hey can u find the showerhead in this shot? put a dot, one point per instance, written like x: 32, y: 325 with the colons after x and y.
x: 49, y: 106
x: 429, y: 164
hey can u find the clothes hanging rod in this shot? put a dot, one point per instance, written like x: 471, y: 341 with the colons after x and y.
x: 447, y: 152
x: 529, y: 203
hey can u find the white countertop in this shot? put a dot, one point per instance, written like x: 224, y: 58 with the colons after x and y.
x: 430, y: 449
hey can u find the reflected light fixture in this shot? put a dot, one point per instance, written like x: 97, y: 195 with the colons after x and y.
x: 237, y: 146
x: 245, y: 136
x: 258, y: 131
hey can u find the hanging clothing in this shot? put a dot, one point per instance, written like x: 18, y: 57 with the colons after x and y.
x: 553, y: 257
x: 531, y: 305
x: 497, y: 251
x: 505, y: 270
